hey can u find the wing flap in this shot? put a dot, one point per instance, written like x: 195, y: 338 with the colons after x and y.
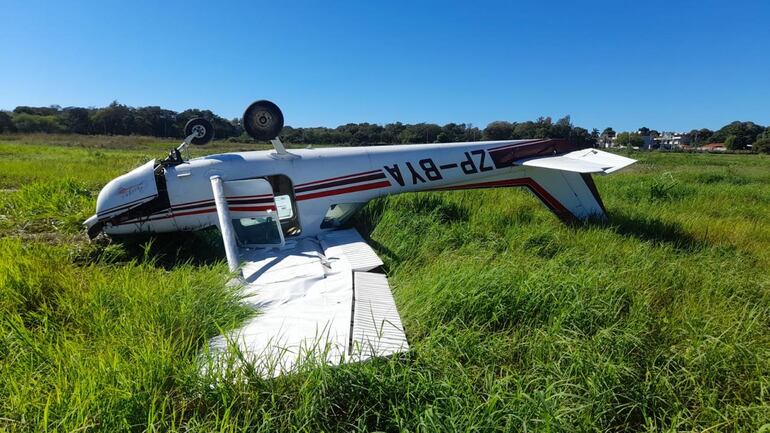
x: 377, y: 327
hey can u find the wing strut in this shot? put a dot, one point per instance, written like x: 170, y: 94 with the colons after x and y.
x: 225, y: 223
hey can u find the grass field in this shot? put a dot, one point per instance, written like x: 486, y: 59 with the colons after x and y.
x: 658, y: 320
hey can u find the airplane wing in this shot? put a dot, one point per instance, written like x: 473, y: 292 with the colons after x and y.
x: 580, y: 161
x: 315, y: 299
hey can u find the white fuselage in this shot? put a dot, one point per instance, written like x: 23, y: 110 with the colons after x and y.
x: 323, y: 177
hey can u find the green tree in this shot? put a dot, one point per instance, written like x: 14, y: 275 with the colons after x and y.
x: 732, y: 142
x: 701, y: 136
x: 115, y: 119
x: 745, y: 133
x: 581, y: 137
x: 629, y: 140
x: 76, y: 120
x: 25, y: 122
x: 6, y: 122
x: 762, y: 145
x: 562, y: 128
x: 420, y: 133
x: 498, y: 130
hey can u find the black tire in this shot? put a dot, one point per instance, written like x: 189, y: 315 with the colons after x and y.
x: 263, y: 120
x: 203, y: 127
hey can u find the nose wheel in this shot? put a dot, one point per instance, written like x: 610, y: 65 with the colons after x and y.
x: 200, y: 129
x: 263, y: 120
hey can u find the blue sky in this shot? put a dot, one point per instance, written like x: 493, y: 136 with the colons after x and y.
x: 667, y: 65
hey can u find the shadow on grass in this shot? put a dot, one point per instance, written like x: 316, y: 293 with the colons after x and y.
x: 651, y: 229
x: 366, y: 221
x: 168, y: 250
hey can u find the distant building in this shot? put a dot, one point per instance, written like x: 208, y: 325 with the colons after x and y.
x: 606, y: 140
x: 648, y: 142
x: 713, y: 147
x: 672, y: 140
x: 665, y: 140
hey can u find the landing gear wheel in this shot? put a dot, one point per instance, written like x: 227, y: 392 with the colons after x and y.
x: 201, y: 128
x: 263, y: 120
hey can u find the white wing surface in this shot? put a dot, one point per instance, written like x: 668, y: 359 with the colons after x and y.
x: 315, y: 300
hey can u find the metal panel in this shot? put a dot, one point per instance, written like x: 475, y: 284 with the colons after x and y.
x: 377, y: 327
x: 564, y: 163
x: 349, y: 244
x: 304, y: 296
x: 303, y: 306
x: 127, y: 191
x: 581, y: 161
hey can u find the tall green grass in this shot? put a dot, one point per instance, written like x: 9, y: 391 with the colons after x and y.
x: 656, y: 320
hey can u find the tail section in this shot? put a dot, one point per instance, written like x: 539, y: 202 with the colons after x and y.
x: 580, y: 161
x: 564, y: 182
x: 570, y: 196
x: 561, y: 180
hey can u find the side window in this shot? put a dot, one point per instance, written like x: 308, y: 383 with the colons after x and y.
x: 288, y: 215
x: 262, y: 230
x: 339, y: 214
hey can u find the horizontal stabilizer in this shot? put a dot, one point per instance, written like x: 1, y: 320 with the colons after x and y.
x: 580, y: 161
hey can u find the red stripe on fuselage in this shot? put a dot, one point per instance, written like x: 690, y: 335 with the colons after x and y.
x: 336, y: 178
x: 555, y: 205
x: 506, y: 146
x: 364, y: 187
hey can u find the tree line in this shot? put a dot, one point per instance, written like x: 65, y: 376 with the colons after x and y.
x: 119, y: 119
x: 735, y: 135
x: 115, y: 119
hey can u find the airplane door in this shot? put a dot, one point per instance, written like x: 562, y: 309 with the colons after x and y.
x: 254, y: 214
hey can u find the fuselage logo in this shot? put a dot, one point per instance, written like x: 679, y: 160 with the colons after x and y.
x: 131, y: 189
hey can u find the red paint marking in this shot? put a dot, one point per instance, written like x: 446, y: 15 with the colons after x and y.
x: 191, y: 202
x: 506, y: 146
x: 235, y: 197
x: 336, y: 178
x: 123, y: 205
x: 383, y: 184
x: 199, y: 212
x: 250, y: 208
x: 194, y: 212
x: 530, y: 183
x: 249, y: 196
x: 193, y: 206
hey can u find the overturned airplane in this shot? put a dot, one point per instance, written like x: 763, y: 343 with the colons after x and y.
x: 281, y: 215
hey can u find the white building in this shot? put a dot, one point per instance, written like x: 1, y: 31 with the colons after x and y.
x: 672, y: 140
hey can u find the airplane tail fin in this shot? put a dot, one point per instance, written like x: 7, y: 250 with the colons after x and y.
x: 564, y: 182
x: 570, y: 196
x: 561, y: 179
